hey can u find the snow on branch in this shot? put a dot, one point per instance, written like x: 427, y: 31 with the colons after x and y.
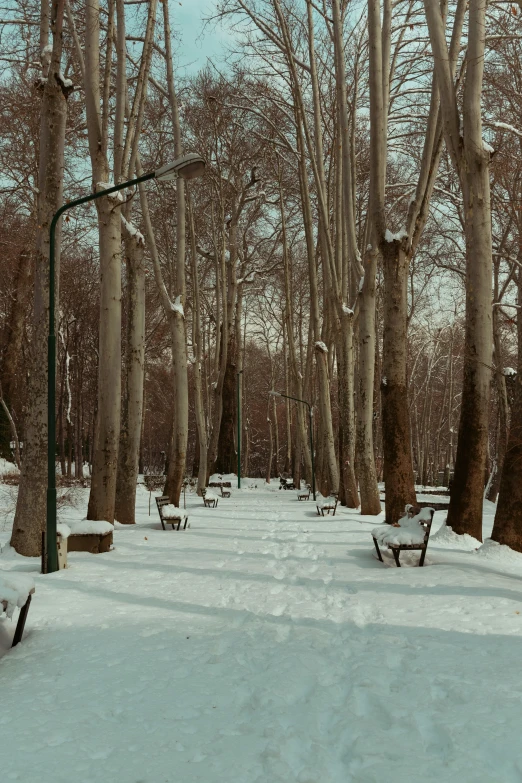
x: 506, y: 126
x: 177, y: 307
x: 133, y: 232
x: 117, y: 197
x: 398, y: 237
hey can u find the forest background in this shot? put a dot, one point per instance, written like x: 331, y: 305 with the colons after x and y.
x: 354, y: 242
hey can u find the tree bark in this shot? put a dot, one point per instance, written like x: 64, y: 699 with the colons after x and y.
x: 197, y: 341
x: 365, y: 462
x: 30, y: 513
x: 471, y: 161
x: 507, y: 528
x: 107, y: 428
x: 503, y: 413
x: 398, y: 477
x: 132, y: 406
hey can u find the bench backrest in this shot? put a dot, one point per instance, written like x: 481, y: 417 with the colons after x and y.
x: 163, y: 500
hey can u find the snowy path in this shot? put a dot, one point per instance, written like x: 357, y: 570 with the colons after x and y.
x: 265, y: 644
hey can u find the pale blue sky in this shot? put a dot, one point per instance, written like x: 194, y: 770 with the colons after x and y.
x: 197, y: 43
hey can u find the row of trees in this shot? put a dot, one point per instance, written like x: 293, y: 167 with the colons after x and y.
x: 355, y: 242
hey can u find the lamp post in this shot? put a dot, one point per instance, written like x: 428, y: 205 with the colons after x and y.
x: 311, y: 420
x: 188, y: 167
x: 239, y: 429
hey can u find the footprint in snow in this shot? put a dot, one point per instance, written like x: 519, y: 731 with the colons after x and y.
x: 437, y: 739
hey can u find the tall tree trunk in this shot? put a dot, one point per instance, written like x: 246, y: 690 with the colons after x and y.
x: 132, y: 409
x: 503, y: 413
x: 30, y: 513
x: 471, y: 161
x: 345, y: 366
x: 197, y: 341
x: 78, y: 433
x: 366, y: 472
x: 179, y: 435
x: 396, y: 435
x: 15, y: 326
x: 270, y: 445
x: 107, y: 428
x: 226, y: 456
x: 507, y: 528
x: 179, y: 439
x: 370, y: 503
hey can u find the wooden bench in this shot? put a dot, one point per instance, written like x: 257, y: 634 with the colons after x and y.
x: 209, y: 499
x: 225, y: 493
x: 328, y: 504
x: 6, y: 606
x: 165, y: 518
x: 424, y: 518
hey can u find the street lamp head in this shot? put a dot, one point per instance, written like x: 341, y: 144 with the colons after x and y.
x: 188, y: 167
x: 274, y: 393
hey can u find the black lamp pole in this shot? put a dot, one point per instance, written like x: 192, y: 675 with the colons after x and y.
x: 52, y: 551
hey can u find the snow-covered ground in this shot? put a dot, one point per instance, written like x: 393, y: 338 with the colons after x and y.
x: 265, y: 644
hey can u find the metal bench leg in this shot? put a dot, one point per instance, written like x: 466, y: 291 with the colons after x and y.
x: 21, y: 622
x: 396, y: 556
x: 378, y: 550
x: 423, y: 555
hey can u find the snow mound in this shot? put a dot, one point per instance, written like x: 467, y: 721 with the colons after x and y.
x: 90, y: 527
x: 215, y: 477
x: 325, y: 502
x: 445, y: 537
x: 7, y: 467
x: 406, y: 534
x: 409, y: 533
x: 170, y: 511
x: 500, y: 553
x: 14, y: 590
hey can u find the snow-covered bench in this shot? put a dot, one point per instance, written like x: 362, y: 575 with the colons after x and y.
x: 410, y: 533
x: 170, y: 514
x: 286, y: 483
x: 16, y: 591
x: 225, y: 493
x: 327, y: 504
x: 210, y: 500
x: 303, y: 494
